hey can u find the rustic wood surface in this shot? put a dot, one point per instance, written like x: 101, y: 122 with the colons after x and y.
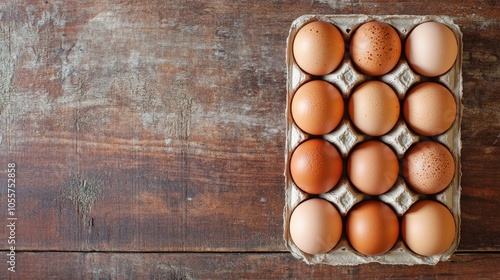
x: 238, y: 266
x: 148, y: 138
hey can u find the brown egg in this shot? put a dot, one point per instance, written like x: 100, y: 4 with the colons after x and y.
x: 318, y: 48
x: 317, y: 107
x: 316, y: 166
x: 428, y: 228
x: 374, y: 108
x: 428, y: 167
x: 375, y: 48
x: 431, y: 49
x: 315, y: 226
x: 429, y: 109
x: 373, y: 167
x: 372, y: 228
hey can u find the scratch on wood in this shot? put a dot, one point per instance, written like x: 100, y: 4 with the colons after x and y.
x: 166, y: 271
x: 6, y: 71
x: 481, y: 22
x: 185, y: 118
x: 332, y: 4
x: 84, y: 192
x: 179, y: 126
x: 484, y: 56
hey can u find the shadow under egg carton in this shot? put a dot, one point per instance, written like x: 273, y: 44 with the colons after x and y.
x: 345, y: 137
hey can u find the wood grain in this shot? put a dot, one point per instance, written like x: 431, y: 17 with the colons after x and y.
x: 237, y: 266
x: 158, y: 126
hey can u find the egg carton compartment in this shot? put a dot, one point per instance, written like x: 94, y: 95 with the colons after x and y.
x: 346, y: 77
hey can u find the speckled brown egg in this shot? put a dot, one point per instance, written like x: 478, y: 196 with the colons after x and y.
x: 428, y: 167
x: 375, y: 48
x: 316, y: 166
x: 317, y: 107
x: 428, y: 228
x: 374, y: 108
x: 372, y: 228
x: 318, y: 48
x: 429, y: 109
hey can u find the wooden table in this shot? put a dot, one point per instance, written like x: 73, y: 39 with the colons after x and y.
x: 148, y: 139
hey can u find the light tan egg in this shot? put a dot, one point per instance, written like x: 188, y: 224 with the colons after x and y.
x: 374, y: 108
x: 429, y: 109
x: 428, y: 228
x: 431, y: 49
x: 315, y: 226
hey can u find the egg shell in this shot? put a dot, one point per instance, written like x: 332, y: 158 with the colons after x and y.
x: 316, y: 166
x: 315, y: 226
x: 428, y: 228
x: 372, y: 228
x: 431, y: 49
x: 317, y: 107
x: 374, y: 108
x: 373, y: 167
x: 375, y: 48
x: 429, y: 109
x: 428, y: 167
x: 318, y: 48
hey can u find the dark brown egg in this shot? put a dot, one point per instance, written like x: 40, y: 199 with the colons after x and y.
x: 316, y: 166
x: 372, y: 228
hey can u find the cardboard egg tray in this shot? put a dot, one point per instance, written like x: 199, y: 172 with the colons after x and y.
x: 344, y: 195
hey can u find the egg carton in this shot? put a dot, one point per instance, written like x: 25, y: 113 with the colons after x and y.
x: 344, y: 196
